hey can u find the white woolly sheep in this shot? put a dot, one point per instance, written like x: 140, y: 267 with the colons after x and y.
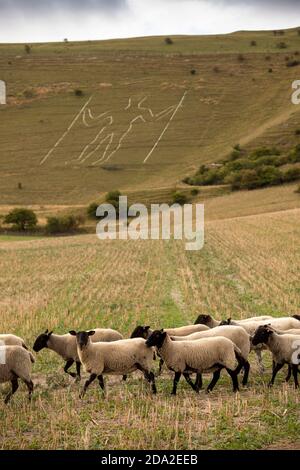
x: 66, y: 347
x: 236, y: 334
x: 285, y: 349
x: 204, y: 355
x: 12, y: 340
x: 209, y: 321
x: 15, y: 364
x: 116, y: 358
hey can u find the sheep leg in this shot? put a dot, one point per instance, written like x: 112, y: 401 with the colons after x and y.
x: 161, y: 363
x: 234, y: 378
x: 295, y: 375
x: 101, y: 382
x: 216, y: 376
x: 246, y: 373
x: 276, y: 369
x: 198, y: 383
x: 289, y: 374
x: 14, y: 388
x: 78, y: 367
x: 190, y: 382
x: 124, y: 378
x: 29, y: 385
x: 87, y: 384
x: 68, y: 364
x: 260, y: 361
x: 149, y: 376
x: 175, y: 382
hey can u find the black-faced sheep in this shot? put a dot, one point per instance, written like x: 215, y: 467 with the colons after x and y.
x: 116, y: 358
x: 285, y: 349
x: 15, y: 364
x: 66, y: 347
x: 204, y: 355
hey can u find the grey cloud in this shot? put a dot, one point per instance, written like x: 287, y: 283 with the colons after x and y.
x: 25, y: 6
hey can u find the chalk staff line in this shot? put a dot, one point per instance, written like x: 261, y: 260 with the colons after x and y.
x: 166, y: 127
x: 66, y: 132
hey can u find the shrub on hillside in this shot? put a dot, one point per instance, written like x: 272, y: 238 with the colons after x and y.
x: 292, y: 63
x: 92, y: 209
x: 78, y: 92
x: 282, y: 45
x: 194, y: 192
x: 263, y: 152
x: 169, y: 41
x: 179, y: 198
x: 294, y: 155
x: 253, y: 43
x: 63, y: 224
x: 23, y: 219
x: 292, y: 174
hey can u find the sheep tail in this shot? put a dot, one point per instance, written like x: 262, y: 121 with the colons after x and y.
x: 238, y: 355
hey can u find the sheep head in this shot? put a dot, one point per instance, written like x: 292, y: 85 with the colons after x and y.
x: 156, y: 338
x: 42, y: 341
x: 262, y: 334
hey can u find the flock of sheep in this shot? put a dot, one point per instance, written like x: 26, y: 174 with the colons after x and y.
x: 207, y: 346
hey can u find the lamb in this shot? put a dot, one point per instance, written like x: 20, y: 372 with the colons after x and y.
x: 285, y: 350
x: 15, y: 364
x: 118, y: 358
x: 204, y: 355
x: 12, y: 340
x: 209, y: 321
x: 66, y: 347
x: 236, y: 334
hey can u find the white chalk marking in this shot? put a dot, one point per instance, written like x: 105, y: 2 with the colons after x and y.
x: 66, y: 132
x: 166, y: 127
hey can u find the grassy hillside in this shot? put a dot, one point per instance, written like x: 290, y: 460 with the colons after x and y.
x: 248, y: 267
x: 156, y: 110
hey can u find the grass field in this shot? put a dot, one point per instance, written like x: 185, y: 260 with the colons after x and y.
x: 249, y: 266
x: 152, y: 103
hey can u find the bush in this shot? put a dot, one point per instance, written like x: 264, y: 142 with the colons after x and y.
x: 169, y: 41
x: 78, y: 92
x: 263, y: 152
x: 253, y: 43
x: 297, y: 132
x: 270, y: 70
x: 292, y: 174
x: 240, y: 164
x: 92, y: 209
x: 294, y: 155
x: 63, y: 224
x: 194, y: 192
x: 23, y: 219
x: 179, y: 198
x: 27, y: 48
x: 29, y: 93
x: 193, y: 72
x: 293, y: 63
x: 241, y: 58
x: 282, y: 45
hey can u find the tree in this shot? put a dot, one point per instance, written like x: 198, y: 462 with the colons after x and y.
x: 27, y: 48
x: 169, y: 41
x: 24, y: 219
x: 179, y: 198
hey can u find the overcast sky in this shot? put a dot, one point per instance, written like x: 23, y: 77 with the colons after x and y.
x: 53, y: 20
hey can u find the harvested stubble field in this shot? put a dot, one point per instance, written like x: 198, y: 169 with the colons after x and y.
x: 249, y: 266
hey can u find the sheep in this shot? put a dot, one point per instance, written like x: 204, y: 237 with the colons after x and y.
x: 118, y: 358
x: 209, y: 321
x: 288, y: 332
x: 145, y: 332
x: 285, y: 349
x: 236, y: 334
x: 66, y: 347
x: 283, y: 323
x: 204, y: 355
x: 15, y: 364
x: 12, y: 340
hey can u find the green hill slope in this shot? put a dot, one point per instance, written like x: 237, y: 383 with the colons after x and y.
x: 148, y: 115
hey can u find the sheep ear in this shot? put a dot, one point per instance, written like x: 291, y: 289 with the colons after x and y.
x: 72, y: 332
x: 146, y: 328
x: 91, y: 333
x: 46, y: 331
x: 162, y: 330
x: 49, y: 334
